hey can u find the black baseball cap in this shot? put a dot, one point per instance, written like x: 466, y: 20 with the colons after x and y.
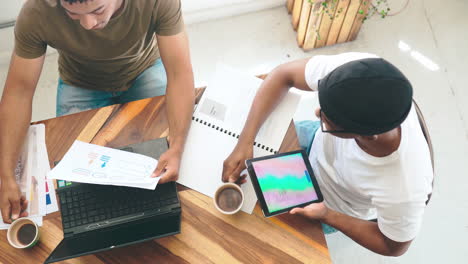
x: 366, y: 97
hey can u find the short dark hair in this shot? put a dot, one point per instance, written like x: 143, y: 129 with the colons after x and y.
x: 74, y: 1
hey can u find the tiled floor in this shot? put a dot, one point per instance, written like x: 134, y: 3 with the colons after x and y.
x: 431, y: 29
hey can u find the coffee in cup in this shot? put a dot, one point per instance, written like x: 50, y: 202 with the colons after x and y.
x: 23, y: 233
x: 229, y: 198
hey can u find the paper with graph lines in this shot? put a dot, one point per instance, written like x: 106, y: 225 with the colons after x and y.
x: 89, y: 163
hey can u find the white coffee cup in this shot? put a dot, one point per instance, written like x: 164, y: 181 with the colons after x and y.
x: 23, y: 233
x: 229, y: 198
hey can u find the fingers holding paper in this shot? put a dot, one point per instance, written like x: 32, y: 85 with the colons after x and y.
x: 13, y: 204
x: 168, y: 167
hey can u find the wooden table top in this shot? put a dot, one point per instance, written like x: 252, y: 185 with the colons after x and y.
x: 207, y: 236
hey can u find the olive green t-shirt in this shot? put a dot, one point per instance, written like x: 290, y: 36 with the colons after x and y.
x: 108, y: 59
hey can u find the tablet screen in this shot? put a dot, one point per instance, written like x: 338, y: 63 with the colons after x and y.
x: 284, y: 181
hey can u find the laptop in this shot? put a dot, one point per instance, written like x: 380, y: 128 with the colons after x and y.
x: 96, y: 218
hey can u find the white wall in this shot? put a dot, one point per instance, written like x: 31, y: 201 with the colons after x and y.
x: 9, y: 10
x: 203, y: 10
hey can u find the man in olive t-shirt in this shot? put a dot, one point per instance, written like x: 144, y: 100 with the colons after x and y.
x: 110, y: 51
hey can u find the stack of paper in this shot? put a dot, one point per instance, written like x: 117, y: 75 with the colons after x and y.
x: 89, y: 163
x: 30, y: 174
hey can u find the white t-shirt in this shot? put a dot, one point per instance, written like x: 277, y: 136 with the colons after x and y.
x: 391, y: 189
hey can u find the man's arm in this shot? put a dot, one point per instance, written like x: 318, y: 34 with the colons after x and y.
x: 180, y: 93
x: 365, y: 233
x: 15, y: 116
x: 269, y: 95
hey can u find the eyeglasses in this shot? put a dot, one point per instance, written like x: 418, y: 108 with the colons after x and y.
x: 329, y: 131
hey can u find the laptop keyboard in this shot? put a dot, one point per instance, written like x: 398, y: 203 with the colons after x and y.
x: 88, y: 203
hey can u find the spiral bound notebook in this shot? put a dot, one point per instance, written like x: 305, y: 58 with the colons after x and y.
x: 232, y: 134
x: 216, y: 125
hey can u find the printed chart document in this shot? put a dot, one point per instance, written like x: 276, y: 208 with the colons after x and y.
x: 30, y: 175
x: 216, y: 125
x: 89, y: 163
x: 44, y: 168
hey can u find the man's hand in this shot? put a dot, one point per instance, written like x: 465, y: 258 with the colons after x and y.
x: 366, y: 233
x: 235, y: 164
x: 12, y: 203
x: 316, y: 211
x: 169, y: 164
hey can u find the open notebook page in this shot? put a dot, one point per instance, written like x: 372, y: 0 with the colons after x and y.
x: 202, y: 162
x: 218, y: 119
x: 227, y: 102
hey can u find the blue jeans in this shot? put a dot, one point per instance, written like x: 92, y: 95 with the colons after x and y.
x: 305, y: 134
x: 71, y: 99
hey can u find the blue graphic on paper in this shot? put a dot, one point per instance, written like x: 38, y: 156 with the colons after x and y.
x: 105, y: 160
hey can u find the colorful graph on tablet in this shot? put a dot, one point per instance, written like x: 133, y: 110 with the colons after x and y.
x: 284, y: 181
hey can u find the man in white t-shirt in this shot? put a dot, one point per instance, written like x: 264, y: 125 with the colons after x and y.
x: 369, y: 154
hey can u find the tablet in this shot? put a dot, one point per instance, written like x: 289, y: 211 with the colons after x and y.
x: 283, y: 181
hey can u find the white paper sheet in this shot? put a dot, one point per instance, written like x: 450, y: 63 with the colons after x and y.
x: 228, y: 99
x: 50, y: 196
x: 30, y: 175
x: 40, y: 164
x: 203, y: 172
x: 89, y: 163
x: 225, y: 104
x: 250, y: 197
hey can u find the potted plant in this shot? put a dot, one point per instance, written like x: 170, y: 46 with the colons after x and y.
x: 326, y: 22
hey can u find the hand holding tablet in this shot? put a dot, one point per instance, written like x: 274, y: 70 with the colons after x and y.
x: 283, y: 182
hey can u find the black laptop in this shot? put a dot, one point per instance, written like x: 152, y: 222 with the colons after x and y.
x: 102, y: 217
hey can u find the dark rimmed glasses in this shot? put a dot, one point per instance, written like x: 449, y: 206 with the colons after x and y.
x: 330, y: 131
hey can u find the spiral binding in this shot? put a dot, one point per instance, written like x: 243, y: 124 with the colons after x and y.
x: 232, y: 134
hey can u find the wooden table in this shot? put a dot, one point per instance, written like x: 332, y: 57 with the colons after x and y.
x: 207, y: 236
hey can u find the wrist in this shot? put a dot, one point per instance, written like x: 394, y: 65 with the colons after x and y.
x: 8, y: 178
x: 328, y: 214
x: 247, y: 136
x: 176, y: 147
x: 9, y: 184
x: 245, y: 141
